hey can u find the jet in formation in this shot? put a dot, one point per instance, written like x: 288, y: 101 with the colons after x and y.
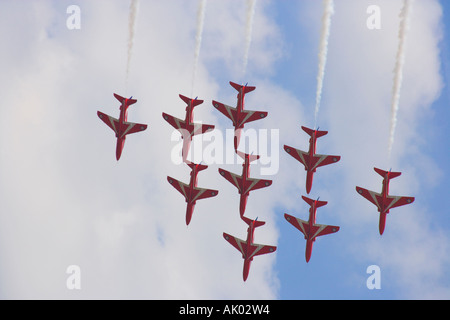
x: 244, y: 183
x: 247, y: 247
x: 187, y: 127
x: 238, y: 115
x: 190, y: 191
x: 120, y: 126
x: 310, y: 159
x: 310, y: 229
x: 383, y: 200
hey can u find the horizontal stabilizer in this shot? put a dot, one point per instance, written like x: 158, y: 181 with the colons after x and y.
x: 390, y: 174
x: 255, y: 222
x: 122, y: 99
x: 188, y: 101
x: 311, y: 132
x: 200, y: 167
x: 239, y: 87
x: 317, y: 202
x: 251, y: 156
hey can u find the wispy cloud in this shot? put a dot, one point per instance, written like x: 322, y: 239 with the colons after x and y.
x: 328, y: 11
x: 132, y: 21
x: 198, y: 38
x: 398, y: 70
x: 248, y: 32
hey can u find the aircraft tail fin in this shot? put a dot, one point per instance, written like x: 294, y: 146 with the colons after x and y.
x: 311, y: 132
x: 317, y: 202
x: 255, y: 222
x: 252, y: 157
x: 121, y: 99
x: 238, y: 87
x: 390, y: 174
x: 195, y: 102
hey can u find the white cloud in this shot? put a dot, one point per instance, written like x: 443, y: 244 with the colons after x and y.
x: 66, y: 200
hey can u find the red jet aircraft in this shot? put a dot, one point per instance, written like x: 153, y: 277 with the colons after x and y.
x: 187, y: 127
x: 384, y: 201
x: 238, y: 115
x: 120, y: 126
x: 310, y: 159
x: 190, y: 191
x: 248, y: 248
x: 309, y: 228
x: 243, y: 182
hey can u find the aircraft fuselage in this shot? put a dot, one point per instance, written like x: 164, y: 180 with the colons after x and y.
x: 309, y: 239
x: 239, y: 118
x: 384, y: 210
x: 244, y: 194
x: 121, y: 136
x: 248, y: 261
x: 309, y: 172
x: 190, y: 203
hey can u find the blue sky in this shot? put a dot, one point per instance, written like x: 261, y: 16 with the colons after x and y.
x: 330, y: 276
x: 124, y: 225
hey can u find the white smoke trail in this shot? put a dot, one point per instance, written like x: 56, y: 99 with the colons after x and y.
x: 251, y: 4
x: 323, y: 51
x: 134, y: 6
x: 398, y: 70
x: 198, y: 39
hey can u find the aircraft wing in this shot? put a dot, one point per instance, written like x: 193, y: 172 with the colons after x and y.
x: 133, y: 128
x: 193, y: 129
x: 372, y: 196
x: 239, y: 244
x: 256, y: 249
x: 397, y: 201
x: 198, y: 128
x: 180, y: 186
x: 259, y: 249
x: 253, y: 184
x: 201, y: 193
x: 316, y: 230
x: 301, y: 225
x: 297, y: 154
x: 111, y: 122
x: 253, y: 115
x: 232, y: 177
x: 323, y: 160
x: 174, y: 121
x: 228, y: 111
